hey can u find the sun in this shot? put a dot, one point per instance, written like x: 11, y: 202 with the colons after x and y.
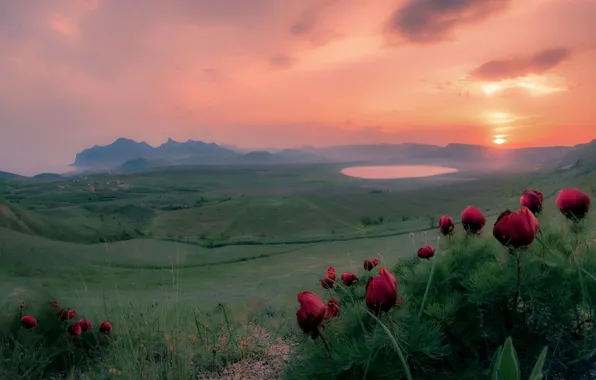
x: 499, y: 140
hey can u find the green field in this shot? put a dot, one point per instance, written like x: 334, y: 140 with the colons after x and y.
x: 250, y: 238
x: 228, y: 234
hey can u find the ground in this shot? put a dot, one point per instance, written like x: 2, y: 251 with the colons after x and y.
x: 249, y: 238
x: 228, y: 234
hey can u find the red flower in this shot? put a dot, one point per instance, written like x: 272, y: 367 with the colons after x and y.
x: 28, y: 322
x: 516, y: 229
x: 349, y: 278
x: 532, y: 199
x: 328, y: 281
x: 332, y: 309
x: 311, y: 313
x: 381, y: 291
x: 573, y: 203
x: 426, y: 252
x: 64, y: 314
x: 446, y: 225
x: 370, y: 264
x: 75, y: 330
x: 105, y: 327
x: 85, y: 325
x: 473, y: 219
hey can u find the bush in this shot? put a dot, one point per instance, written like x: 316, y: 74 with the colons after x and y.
x: 452, y: 328
x: 47, y: 349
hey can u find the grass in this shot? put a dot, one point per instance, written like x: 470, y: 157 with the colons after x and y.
x: 176, y: 245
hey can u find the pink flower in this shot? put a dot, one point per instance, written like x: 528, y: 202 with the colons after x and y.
x: 473, y: 219
x: 328, y: 281
x: 573, y: 203
x: 381, y: 291
x: 446, y: 225
x: 28, y: 322
x: 370, y: 264
x: 426, y: 252
x: 311, y: 313
x: 332, y: 309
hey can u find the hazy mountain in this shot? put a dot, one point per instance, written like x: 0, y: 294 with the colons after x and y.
x: 9, y: 176
x: 260, y: 156
x: 458, y: 155
x: 135, y: 165
x: 114, y: 154
x: 48, y: 176
x: 172, y: 148
x: 130, y: 155
x: 581, y: 155
x: 122, y: 150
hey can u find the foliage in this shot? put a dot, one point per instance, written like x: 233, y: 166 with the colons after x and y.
x: 452, y: 328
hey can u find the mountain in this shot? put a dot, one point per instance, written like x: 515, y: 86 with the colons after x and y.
x: 581, y: 155
x: 9, y: 176
x: 458, y: 155
x: 48, y: 177
x: 171, y: 152
x: 114, y: 154
x: 259, y: 157
x: 128, y: 155
x: 135, y: 165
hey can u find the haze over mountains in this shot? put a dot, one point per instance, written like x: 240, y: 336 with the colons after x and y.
x: 129, y: 155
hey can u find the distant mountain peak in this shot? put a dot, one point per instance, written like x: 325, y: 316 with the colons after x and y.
x: 125, y: 149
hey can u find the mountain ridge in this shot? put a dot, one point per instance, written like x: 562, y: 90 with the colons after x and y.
x: 463, y: 156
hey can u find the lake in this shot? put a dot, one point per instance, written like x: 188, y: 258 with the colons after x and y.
x: 396, y: 171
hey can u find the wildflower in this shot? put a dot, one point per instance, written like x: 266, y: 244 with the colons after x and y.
x: 105, y: 327
x: 473, y: 219
x: 75, y: 329
x: 64, y: 314
x: 381, y: 291
x: 311, y: 313
x: 328, y: 281
x: 370, y: 264
x: 516, y: 229
x: 532, y: 199
x: 332, y: 309
x: 349, y: 279
x: 85, y: 325
x: 426, y: 252
x: 28, y: 322
x: 573, y: 203
x: 446, y: 225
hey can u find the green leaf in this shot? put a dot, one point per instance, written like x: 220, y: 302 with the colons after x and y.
x: 509, y: 367
x: 537, y: 371
x: 496, y: 363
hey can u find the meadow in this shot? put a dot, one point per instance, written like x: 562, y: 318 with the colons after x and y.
x: 180, y: 246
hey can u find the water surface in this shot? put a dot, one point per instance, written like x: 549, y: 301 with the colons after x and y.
x: 396, y: 171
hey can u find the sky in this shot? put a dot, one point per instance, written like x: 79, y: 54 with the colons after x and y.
x: 291, y: 73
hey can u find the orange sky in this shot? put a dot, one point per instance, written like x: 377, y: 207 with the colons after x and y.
x: 286, y: 73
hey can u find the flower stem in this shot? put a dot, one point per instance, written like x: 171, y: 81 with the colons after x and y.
x: 325, y: 342
x: 428, y: 284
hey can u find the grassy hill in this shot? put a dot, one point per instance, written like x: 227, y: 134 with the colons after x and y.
x: 248, y: 239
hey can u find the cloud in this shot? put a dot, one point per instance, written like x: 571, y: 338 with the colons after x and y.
x: 309, y: 24
x: 430, y: 21
x: 538, y: 63
x: 282, y: 61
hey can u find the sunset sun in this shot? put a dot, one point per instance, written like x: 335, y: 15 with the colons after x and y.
x: 499, y: 140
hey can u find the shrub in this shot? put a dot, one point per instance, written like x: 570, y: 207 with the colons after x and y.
x: 40, y: 340
x: 460, y: 307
